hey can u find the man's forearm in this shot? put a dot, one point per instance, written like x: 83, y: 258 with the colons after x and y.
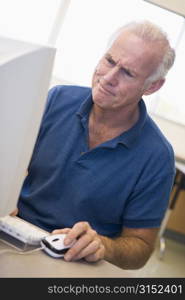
x: 126, y: 252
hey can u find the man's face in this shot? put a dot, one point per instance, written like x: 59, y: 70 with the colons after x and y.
x: 119, y: 79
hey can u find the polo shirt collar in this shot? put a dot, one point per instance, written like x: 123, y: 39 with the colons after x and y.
x: 85, y: 107
x: 128, y: 137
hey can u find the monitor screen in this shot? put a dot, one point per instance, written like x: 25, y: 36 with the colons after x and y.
x: 25, y: 72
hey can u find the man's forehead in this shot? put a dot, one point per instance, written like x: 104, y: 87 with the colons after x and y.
x: 131, y: 50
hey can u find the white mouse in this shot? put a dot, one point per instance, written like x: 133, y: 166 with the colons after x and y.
x: 54, y: 246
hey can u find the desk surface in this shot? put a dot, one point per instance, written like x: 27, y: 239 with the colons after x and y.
x: 38, y: 264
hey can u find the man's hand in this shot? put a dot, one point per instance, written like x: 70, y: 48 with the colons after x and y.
x: 88, y: 246
x: 14, y: 213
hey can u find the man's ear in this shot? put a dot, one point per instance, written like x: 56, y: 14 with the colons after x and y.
x: 154, y: 86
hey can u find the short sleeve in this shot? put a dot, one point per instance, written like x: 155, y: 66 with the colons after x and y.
x: 148, y: 203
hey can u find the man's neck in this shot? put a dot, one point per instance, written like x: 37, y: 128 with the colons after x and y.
x: 105, y: 125
x: 123, y: 118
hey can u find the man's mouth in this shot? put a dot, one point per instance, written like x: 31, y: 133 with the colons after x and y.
x: 105, y: 90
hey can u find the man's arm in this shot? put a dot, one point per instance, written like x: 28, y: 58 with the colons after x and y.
x: 130, y: 250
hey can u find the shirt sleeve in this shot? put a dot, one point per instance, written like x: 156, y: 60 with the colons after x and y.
x: 148, y: 202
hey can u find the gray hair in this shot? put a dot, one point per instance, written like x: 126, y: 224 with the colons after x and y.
x: 150, y: 32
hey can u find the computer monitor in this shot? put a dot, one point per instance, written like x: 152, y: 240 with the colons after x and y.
x: 25, y: 72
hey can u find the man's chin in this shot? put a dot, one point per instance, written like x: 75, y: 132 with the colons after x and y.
x: 102, y: 103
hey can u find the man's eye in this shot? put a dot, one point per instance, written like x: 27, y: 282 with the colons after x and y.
x: 110, y: 61
x: 125, y: 71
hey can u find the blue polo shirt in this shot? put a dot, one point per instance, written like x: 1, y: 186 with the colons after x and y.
x: 124, y: 182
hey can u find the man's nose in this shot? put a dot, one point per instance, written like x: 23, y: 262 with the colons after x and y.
x: 111, y: 76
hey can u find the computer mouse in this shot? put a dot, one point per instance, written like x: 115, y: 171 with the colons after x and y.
x: 54, y: 245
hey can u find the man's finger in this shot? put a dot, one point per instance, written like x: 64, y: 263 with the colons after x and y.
x: 76, y: 231
x: 90, y: 249
x: 98, y: 255
x: 81, y: 244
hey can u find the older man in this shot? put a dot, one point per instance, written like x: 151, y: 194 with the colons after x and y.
x: 101, y: 170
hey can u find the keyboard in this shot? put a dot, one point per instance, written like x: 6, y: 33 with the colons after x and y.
x: 22, y: 230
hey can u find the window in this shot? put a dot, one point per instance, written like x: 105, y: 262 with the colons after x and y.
x: 83, y: 39
x: 88, y: 26
x: 170, y: 100
x: 81, y: 36
x: 28, y: 20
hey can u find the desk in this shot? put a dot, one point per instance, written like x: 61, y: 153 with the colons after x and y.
x: 40, y: 265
